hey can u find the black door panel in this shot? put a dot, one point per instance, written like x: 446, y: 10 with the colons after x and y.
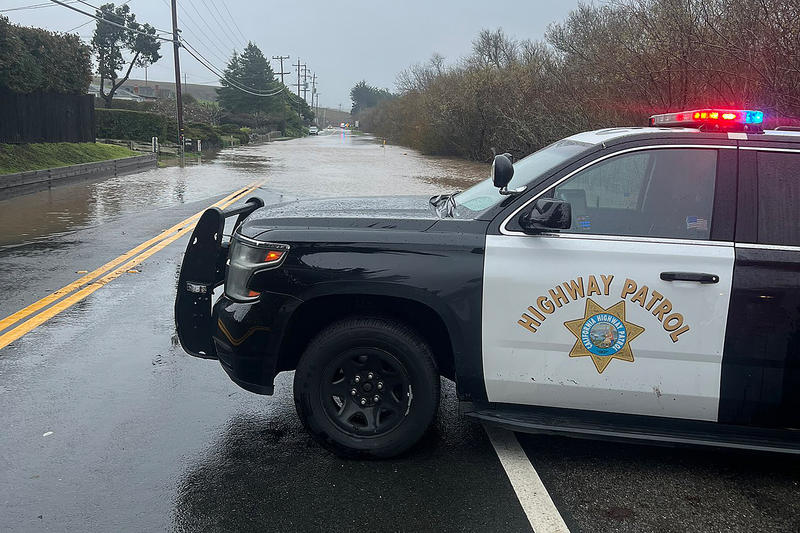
x: 761, y: 364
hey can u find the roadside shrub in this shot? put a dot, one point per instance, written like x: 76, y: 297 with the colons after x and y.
x: 33, y: 60
x: 258, y: 122
x: 141, y: 126
x: 133, y: 125
x: 206, y: 133
x: 235, y: 131
x: 130, y: 105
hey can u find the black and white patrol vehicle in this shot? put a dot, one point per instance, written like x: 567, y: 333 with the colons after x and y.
x: 626, y: 283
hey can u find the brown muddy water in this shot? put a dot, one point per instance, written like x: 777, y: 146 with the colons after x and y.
x: 335, y: 163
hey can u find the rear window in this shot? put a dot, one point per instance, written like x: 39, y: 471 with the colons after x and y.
x: 779, y: 198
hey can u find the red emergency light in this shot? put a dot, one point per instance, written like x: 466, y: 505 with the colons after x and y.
x: 718, y: 119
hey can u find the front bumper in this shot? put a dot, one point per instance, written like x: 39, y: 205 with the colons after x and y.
x: 247, y: 338
x: 203, y: 269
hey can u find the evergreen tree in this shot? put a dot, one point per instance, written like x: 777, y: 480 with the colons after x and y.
x: 365, y: 96
x: 249, y: 70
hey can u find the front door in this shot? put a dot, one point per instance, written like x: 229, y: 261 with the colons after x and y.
x: 624, y: 312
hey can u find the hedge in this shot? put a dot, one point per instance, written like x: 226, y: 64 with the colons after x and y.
x: 142, y: 126
x: 133, y: 125
x: 37, y: 60
x: 204, y: 132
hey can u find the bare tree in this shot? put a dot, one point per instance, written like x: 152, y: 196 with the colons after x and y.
x: 493, y: 49
x: 604, y: 65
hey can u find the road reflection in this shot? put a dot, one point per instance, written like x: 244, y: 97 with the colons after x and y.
x: 325, y: 165
x: 266, y: 474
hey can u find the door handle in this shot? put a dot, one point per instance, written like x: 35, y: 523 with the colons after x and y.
x: 698, y: 277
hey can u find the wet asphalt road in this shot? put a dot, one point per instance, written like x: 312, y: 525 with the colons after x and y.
x: 146, y: 438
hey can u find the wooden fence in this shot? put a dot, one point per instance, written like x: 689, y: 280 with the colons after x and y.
x: 46, y: 117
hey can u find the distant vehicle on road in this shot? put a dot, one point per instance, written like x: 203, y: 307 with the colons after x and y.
x: 313, y: 130
x: 628, y: 283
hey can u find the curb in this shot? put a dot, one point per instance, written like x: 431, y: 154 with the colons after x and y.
x: 35, y: 180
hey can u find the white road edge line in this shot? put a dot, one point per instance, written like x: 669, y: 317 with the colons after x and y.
x: 531, y: 492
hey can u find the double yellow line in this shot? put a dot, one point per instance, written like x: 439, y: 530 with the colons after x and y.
x: 98, y: 278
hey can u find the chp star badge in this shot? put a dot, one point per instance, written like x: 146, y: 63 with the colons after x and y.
x: 603, y: 334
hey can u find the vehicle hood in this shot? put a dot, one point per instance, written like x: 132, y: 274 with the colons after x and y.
x: 403, y: 213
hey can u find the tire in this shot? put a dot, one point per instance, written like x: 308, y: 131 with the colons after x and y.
x: 367, y: 388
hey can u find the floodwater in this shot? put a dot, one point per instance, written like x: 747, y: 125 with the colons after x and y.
x: 335, y: 163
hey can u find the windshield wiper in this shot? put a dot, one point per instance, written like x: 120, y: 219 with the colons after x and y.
x: 439, y: 199
x: 451, y: 204
x: 436, y: 200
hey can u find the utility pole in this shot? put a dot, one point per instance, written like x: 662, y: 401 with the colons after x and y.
x: 305, y: 83
x: 283, y: 107
x: 298, y: 77
x: 281, y: 58
x: 314, y: 96
x: 299, y: 66
x: 175, y: 46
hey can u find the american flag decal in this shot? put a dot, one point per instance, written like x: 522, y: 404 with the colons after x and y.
x: 696, y: 223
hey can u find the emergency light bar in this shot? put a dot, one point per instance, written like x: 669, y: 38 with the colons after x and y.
x: 727, y: 119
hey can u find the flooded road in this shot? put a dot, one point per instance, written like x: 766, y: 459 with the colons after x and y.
x: 335, y: 163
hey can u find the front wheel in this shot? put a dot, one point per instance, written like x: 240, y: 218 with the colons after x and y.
x: 367, y: 387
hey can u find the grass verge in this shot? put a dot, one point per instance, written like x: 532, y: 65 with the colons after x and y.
x: 39, y: 156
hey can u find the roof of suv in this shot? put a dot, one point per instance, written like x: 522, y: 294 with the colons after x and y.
x: 614, y: 134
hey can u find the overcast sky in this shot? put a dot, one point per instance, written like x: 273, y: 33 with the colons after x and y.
x: 342, y: 41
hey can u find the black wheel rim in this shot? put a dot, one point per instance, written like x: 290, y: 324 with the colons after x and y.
x: 366, y: 391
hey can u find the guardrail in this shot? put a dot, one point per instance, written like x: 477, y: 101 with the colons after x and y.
x: 35, y: 180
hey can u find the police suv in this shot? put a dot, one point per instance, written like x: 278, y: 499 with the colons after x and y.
x: 626, y: 283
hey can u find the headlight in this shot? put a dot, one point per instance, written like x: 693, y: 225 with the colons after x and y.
x: 246, y: 257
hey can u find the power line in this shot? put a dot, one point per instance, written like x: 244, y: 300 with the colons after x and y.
x: 87, y: 4
x: 200, y: 58
x: 211, y: 31
x: 192, y: 51
x: 33, y: 6
x: 208, y: 42
x: 188, y: 47
x: 188, y: 28
x: 230, y: 82
x: 225, y: 22
x: 79, y: 26
x: 234, y: 21
x: 200, y: 39
x: 153, y: 35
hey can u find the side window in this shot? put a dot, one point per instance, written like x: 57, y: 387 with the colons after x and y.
x: 779, y: 198
x: 652, y: 193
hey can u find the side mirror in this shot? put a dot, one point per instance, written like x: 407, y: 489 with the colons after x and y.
x: 546, y: 214
x: 502, y: 171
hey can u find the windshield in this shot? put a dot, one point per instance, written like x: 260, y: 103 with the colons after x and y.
x: 485, y: 195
